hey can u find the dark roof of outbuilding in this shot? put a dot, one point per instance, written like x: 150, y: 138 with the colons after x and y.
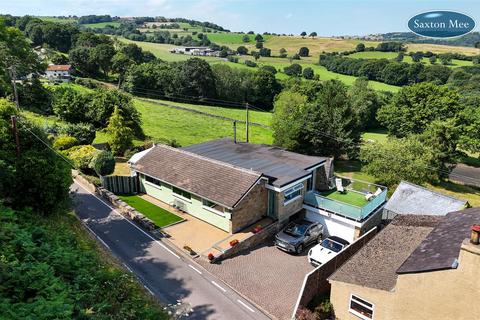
x: 219, y: 182
x: 441, y: 248
x: 409, y: 198
x: 281, y: 166
x: 375, y: 264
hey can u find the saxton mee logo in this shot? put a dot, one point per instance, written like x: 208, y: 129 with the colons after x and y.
x: 441, y: 24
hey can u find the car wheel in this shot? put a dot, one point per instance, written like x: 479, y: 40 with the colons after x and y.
x: 319, y: 239
x: 299, y: 248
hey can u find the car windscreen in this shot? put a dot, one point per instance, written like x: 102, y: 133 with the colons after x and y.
x: 332, y: 245
x: 295, y: 230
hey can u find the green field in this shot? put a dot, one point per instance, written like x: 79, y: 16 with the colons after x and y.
x: 165, y: 124
x: 114, y: 24
x: 378, y: 135
x: 159, y: 216
x: 58, y: 20
x: 233, y: 38
x: 391, y: 55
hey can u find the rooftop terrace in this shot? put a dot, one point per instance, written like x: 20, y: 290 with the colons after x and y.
x: 351, y: 204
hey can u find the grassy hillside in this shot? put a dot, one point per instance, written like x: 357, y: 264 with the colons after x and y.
x: 163, y: 123
x: 391, y: 55
x: 114, y: 24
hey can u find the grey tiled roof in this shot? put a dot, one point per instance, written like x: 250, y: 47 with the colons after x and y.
x: 375, y: 264
x: 409, y: 198
x: 441, y: 248
x: 219, y: 182
x: 281, y: 166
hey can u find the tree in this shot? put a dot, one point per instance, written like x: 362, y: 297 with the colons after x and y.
x: 414, y: 107
x: 433, y: 59
x: 245, y: 39
x: 330, y: 124
x: 303, y: 52
x: 445, y: 58
x: 259, y: 38
x: 83, y: 60
x: 263, y: 89
x: 103, y: 163
x: 195, y: 78
x: 399, y: 57
x: 103, y: 55
x: 120, y: 135
x: 256, y: 55
x: 365, y: 103
x: 287, y: 119
x: 265, y: 52
x: 312, y: 34
x: 37, y: 177
x: 259, y: 45
x: 303, y: 34
x: 283, y: 53
x: 360, y: 47
x: 395, y: 160
x: 120, y: 64
x: 242, y: 50
x: 308, y: 73
x: 70, y: 105
x: 293, y: 70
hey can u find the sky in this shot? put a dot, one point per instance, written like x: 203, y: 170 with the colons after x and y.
x: 327, y: 18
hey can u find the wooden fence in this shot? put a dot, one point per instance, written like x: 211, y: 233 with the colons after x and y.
x: 120, y: 184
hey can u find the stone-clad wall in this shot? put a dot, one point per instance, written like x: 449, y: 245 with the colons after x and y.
x: 286, y: 211
x: 251, y: 209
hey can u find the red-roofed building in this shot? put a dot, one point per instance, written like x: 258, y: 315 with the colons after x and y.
x: 59, y: 72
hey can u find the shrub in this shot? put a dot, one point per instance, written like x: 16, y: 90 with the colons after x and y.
x: 268, y: 68
x: 81, y: 156
x: 232, y: 59
x: 251, y: 64
x: 103, y: 163
x: 83, y: 132
x: 308, y: 73
x: 303, y: 52
x: 64, y: 142
x: 296, y: 56
x: 293, y: 70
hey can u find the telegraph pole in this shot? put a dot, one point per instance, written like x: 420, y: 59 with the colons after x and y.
x: 246, y: 109
x: 13, y: 76
x: 15, y: 133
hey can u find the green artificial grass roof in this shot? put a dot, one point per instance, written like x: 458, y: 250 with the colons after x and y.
x: 352, y: 198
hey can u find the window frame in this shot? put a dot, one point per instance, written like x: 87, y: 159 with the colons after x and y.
x: 158, y: 185
x: 359, y: 300
x: 296, y: 189
x: 181, y: 195
x: 211, y: 209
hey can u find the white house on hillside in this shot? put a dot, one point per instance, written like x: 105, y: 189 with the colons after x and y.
x: 59, y: 72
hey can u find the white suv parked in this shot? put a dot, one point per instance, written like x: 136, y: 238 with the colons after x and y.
x: 326, y: 250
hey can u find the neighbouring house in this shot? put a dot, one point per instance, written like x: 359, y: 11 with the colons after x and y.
x: 419, y: 267
x: 59, y: 72
x: 233, y: 185
x: 410, y: 198
x: 195, y: 51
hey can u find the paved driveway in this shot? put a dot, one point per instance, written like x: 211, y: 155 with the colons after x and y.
x: 267, y: 276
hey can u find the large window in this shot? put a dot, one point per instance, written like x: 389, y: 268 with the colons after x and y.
x: 212, y: 206
x: 361, y: 308
x: 293, y: 192
x: 182, y: 193
x: 153, y: 180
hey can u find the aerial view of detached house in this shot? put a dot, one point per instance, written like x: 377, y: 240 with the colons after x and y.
x: 232, y: 185
x: 59, y: 72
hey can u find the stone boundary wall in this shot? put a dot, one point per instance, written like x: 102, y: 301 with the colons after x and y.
x: 316, y: 282
x: 250, y: 242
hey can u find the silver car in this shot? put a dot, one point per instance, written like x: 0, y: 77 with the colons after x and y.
x: 299, y: 234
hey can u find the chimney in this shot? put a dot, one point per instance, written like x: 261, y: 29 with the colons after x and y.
x: 475, y: 234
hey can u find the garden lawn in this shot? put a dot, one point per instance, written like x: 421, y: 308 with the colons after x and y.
x: 159, y: 216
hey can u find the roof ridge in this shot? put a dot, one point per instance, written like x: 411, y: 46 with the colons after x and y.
x: 432, y: 191
x: 252, y: 172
